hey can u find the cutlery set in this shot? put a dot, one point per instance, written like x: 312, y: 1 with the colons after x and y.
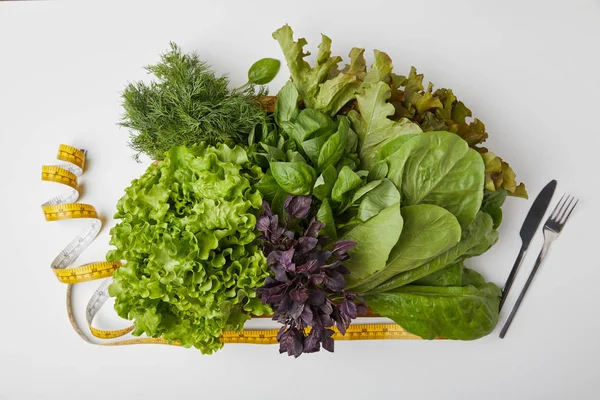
x: 551, y: 230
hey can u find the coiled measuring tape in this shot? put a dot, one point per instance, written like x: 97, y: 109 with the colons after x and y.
x: 65, y: 206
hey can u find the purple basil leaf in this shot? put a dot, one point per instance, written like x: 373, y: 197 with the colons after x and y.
x: 326, y: 307
x: 299, y: 295
x: 342, y: 269
x: 263, y: 224
x: 316, y: 297
x: 333, y: 265
x: 361, y: 309
x: 286, y: 260
x: 280, y: 273
x: 349, y: 308
x: 314, y: 228
x: 307, y: 316
x: 267, y: 208
x: 273, y: 257
x: 327, y: 340
x: 306, y: 244
x: 311, y: 266
x: 312, y: 342
x: 335, y: 281
x: 341, y: 248
x: 298, y: 206
x: 318, y: 279
x: 296, y: 310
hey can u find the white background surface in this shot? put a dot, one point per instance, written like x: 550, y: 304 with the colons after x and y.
x: 529, y: 69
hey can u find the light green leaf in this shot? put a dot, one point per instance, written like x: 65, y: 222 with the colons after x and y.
x: 347, y: 181
x: 372, y: 124
x: 374, y: 239
x: 324, y: 183
x: 439, y: 168
x: 428, y: 231
x: 263, y: 71
x: 325, y: 215
x: 286, y: 107
x: 333, y: 149
x: 476, y: 239
x: 381, y: 197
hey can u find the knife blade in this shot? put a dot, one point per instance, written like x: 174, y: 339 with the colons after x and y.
x: 530, y: 225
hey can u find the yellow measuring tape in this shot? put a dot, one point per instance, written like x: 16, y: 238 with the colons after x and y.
x: 65, y: 206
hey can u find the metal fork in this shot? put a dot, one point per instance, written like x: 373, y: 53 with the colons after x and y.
x: 552, y: 228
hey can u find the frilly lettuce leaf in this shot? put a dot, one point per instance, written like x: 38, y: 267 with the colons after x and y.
x: 372, y: 123
x: 187, y: 233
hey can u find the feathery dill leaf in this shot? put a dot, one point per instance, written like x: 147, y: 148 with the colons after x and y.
x: 188, y: 104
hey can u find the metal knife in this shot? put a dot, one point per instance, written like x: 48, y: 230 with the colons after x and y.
x: 530, y: 226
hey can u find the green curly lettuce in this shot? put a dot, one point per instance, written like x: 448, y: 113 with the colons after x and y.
x: 193, y: 259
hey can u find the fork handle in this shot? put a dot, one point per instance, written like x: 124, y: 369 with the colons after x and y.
x: 515, y: 308
x: 513, y: 273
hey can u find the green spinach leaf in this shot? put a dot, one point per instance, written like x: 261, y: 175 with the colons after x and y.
x: 428, y: 231
x: 439, y: 168
x: 374, y: 239
x: 453, y: 312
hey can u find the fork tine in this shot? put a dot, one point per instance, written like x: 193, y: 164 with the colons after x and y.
x: 566, y: 207
x: 569, y: 213
x: 557, y: 208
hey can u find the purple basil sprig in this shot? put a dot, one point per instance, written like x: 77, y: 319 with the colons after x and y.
x: 307, y: 289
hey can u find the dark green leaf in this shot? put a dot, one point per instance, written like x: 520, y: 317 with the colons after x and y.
x: 454, y: 312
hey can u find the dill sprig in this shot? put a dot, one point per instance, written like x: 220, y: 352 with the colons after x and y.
x: 188, y: 104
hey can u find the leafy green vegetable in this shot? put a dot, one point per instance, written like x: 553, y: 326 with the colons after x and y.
x: 347, y: 181
x: 442, y: 111
x: 384, y: 195
x: 372, y: 123
x: 324, y: 183
x: 286, y: 108
x: 492, y: 204
x: 187, y: 233
x: 454, y: 312
x: 188, y: 104
x: 294, y: 177
x: 335, y: 146
x: 439, y: 168
x: 475, y: 239
x: 451, y: 275
x: 374, y: 239
x: 428, y: 231
x: 263, y: 71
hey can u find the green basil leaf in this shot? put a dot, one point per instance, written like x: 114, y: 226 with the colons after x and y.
x: 325, y: 215
x: 267, y: 186
x: 334, y: 147
x: 286, y: 107
x: 324, y: 183
x: 294, y: 177
x: 310, y: 124
x: 273, y: 153
x: 263, y: 71
x: 347, y: 181
x: 294, y: 156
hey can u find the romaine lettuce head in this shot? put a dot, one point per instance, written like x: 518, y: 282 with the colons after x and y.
x: 187, y: 233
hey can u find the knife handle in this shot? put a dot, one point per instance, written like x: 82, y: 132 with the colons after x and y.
x: 513, y: 273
